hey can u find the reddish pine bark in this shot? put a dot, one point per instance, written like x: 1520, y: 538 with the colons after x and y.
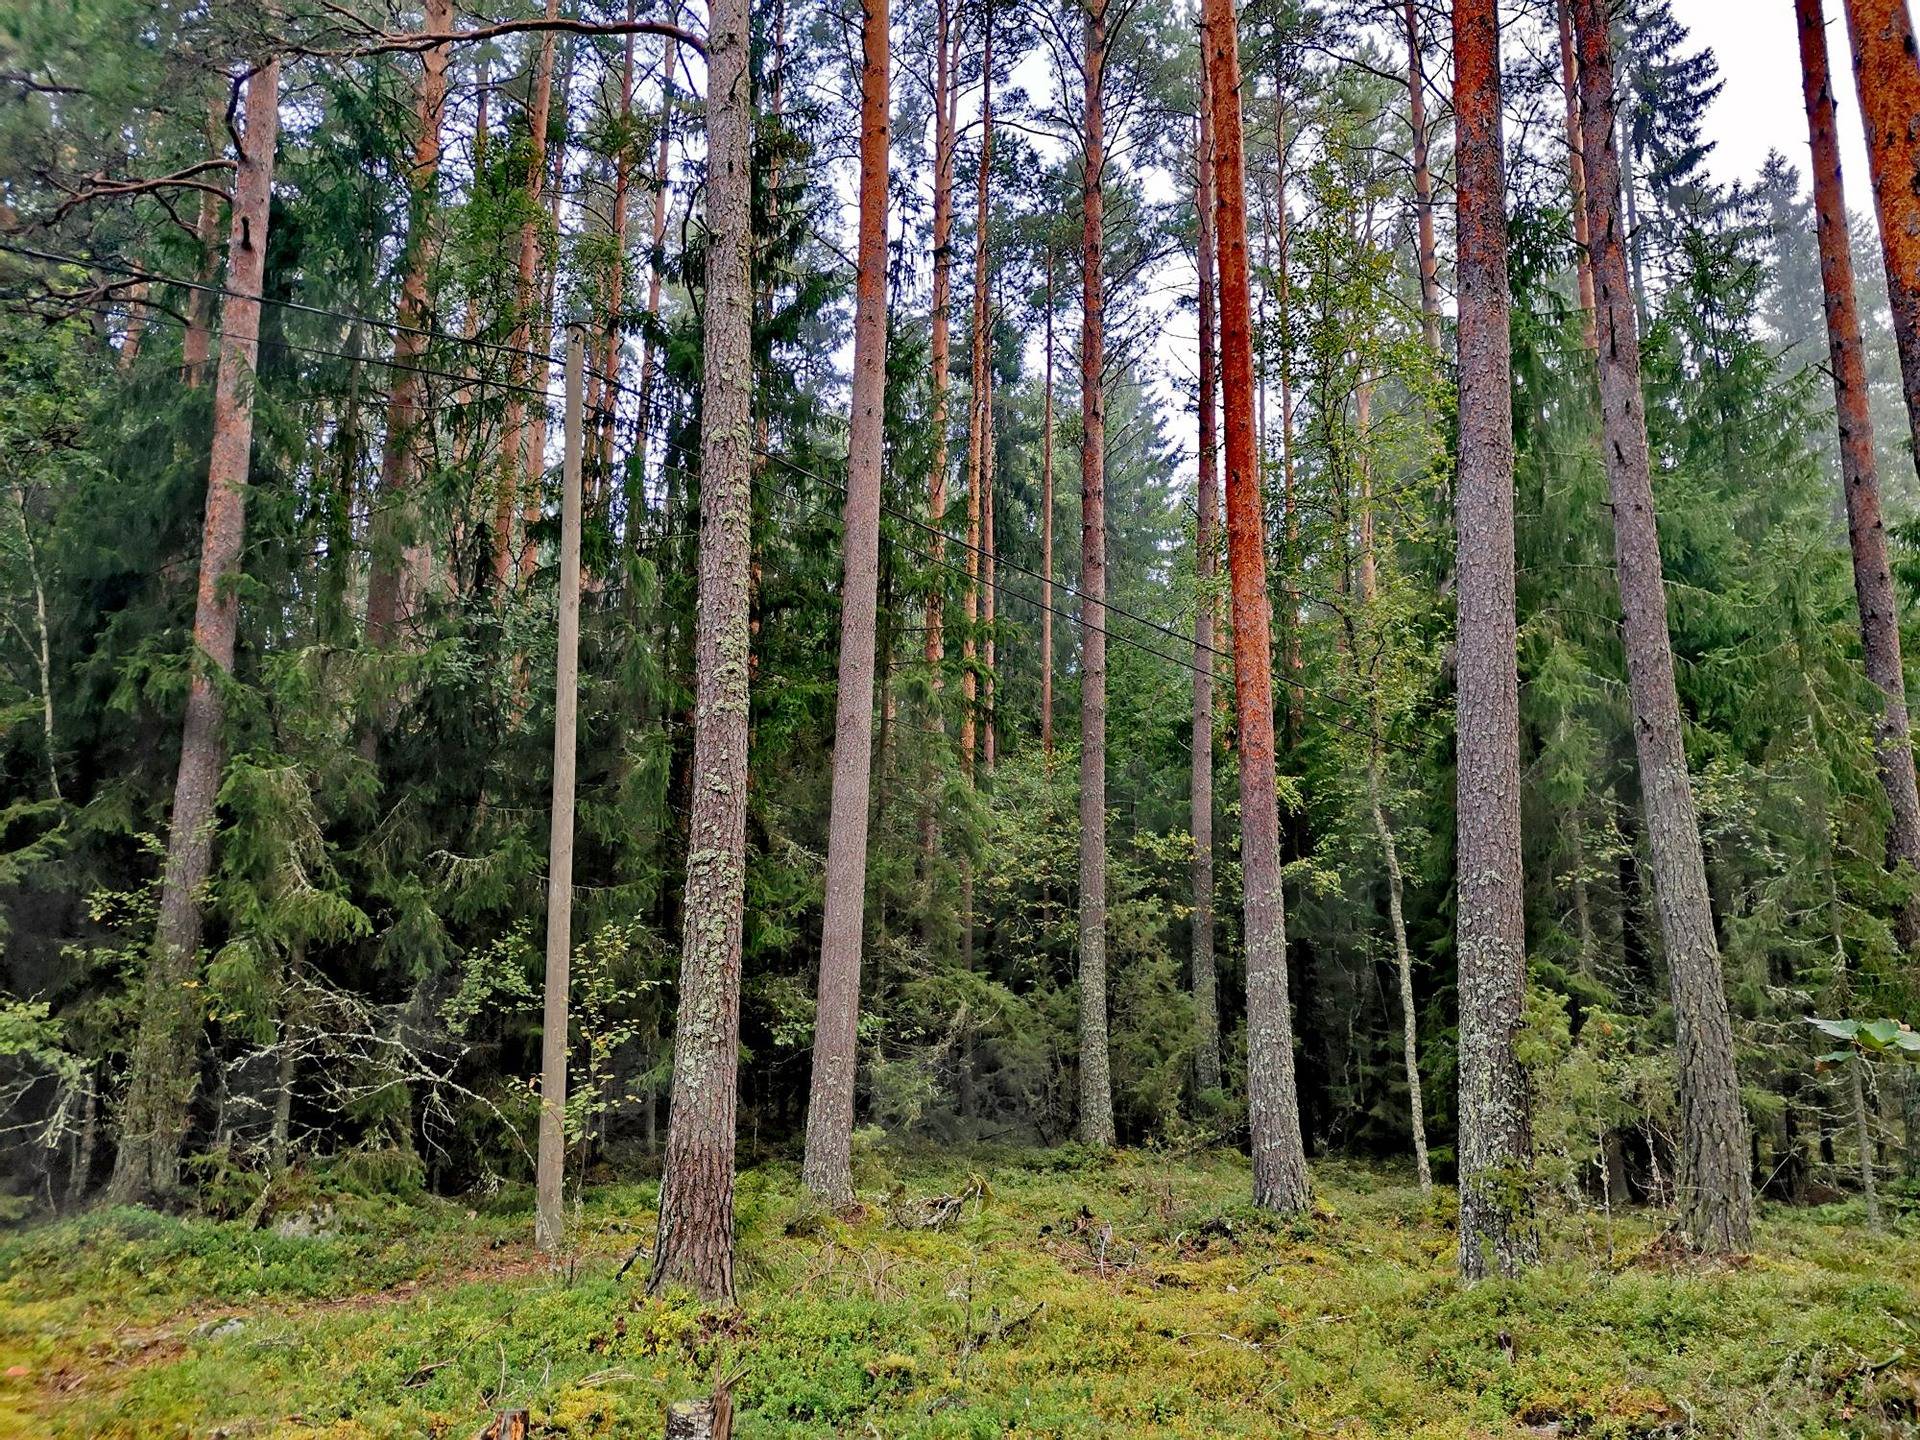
x: 827, y: 1167
x: 1422, y: 182
x: 1887, y: 80
x: 696, y: 1194
x: 1577, y: 177
x: 1096, y: 1083
x: 1859, y: 471
x: 1280, y: 1179
x: 1206, y: 1007
x: 396, y: 572
x: 513, y: 430
x: 1495, y: 1145
x: 1715, y: 1188
x: 164, y: 1064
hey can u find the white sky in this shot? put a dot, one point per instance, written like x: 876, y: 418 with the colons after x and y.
x: 1761, y: 108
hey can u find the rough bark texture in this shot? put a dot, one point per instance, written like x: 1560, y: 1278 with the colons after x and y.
x: 1422, y: 182
x: 1859, y: 472
x: 1576, y: 176
x: 696, y: 1193
x: 549, y: 1225
x: 163, y: 1067
x: 827, y: 1168
x: 1495, y: 1145
x: 513, y: 430
x: 397, y: 568
x: 1206, y: 1005
x: 1715, y: 1189
x: 1273, y: 1108
x: 1096, y: 1081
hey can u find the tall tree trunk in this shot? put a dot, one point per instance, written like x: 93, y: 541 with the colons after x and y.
x: 196, y: 343
x: 977, y: 464
x: 1290, y: 657
x: 549, y: 1222
x: 1859, y: 472
x: 1096, y: 1083
x: 163, y: 1066
x: 1577, y: 177
x: 989, y: 571
x: 397, y: 568
x: 1046, y: 532
x: 513, y: 430
x: 827, y: 1168
x: 1273, y: 1107
x: 1403, y: 963
x: 1715, y: 1186
x: 1422, y: 182
x: 696, y: 1194
x: 945, y: 98
x: 607, y: 383
x: 1495, y: 1144
x: 1206, y: 1005
x: 533, y: 466
x: 656, y: 258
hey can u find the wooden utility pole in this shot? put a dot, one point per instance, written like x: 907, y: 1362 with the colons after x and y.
x: 549, y: 1221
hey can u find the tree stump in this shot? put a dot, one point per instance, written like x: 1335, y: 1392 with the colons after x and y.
x: 709, y: 1419
x: 507, y: 1425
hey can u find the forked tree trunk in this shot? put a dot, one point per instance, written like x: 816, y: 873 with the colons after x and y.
x: 1422, y: 182
x: 1280, y: 1179
x: 1096, y: 1083
x: 1495, y: 1145
x: 397, y: 568
x: 696, y: 1194
x: 1715, y: 1188
x: 1859, y: 470
x: 827, y: 1167
x: 162, y: 1069
x: 1206, y: 1004
x: 513, y: 430
x: 1576, y: 176
x: 549, y: 1221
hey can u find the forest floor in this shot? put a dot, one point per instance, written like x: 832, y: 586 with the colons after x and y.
x: 1006, y: 1293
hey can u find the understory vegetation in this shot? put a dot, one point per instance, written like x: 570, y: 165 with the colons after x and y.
x: 1003, y: 1292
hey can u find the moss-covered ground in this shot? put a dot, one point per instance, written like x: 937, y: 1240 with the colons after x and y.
x: 1065, y: 1295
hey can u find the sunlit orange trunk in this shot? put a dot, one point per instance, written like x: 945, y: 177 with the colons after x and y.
x: 1273, y: 1110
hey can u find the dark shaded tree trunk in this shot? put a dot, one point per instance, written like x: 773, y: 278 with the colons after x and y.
x: 1715, y: 1189
x: 163, y: 1068
x: 1206, y: 1005
x: 1495, y: 1145
x: 1280, y: 1180
x: 397, y: 568
x: 656, y: 258
x: 1096, y: 1082
x: 696, y: 1194
x: 1046, y: 533
x: 977, y: 427
x: 827, y: 1168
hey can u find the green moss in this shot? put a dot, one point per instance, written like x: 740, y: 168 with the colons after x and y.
x: 1192, y: 1315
